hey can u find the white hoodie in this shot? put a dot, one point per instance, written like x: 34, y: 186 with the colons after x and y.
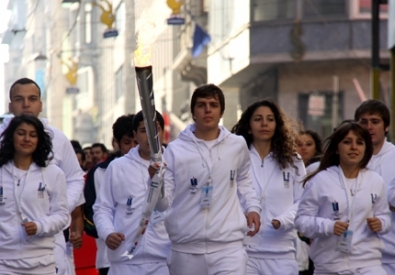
x: 315, y: 219
x: 65, y: 159
x: 126, y: 180
x: 383, y: 164
x: 189, y: 161
x: 279, y: 191
x: 46, y: 207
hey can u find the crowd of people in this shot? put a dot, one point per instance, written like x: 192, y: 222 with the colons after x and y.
x: 267, y: 197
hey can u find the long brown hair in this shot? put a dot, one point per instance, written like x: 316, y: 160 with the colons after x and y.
x: 331, y: 156
x: 283, y: 144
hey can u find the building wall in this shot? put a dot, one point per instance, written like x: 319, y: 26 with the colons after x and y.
x: 298, y: 78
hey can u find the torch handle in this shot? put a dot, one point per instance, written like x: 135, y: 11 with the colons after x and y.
x: 145, y: 85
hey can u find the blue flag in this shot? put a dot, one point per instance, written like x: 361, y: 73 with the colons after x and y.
x: 200, y: 39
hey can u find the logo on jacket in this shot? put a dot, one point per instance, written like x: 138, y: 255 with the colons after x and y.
x: 232, y: 177
x: 374, y: 199
x: 336, y: 214
x: 41, y: 189
x: 194, y: 184
x: 2, y: 198
x: 129, y: 208
x: 286, y: 179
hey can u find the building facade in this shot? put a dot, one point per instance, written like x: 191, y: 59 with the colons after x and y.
x: 291, y: 51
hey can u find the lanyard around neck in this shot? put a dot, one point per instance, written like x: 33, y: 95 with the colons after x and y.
x: 18, y: 193
x: 353, y: 190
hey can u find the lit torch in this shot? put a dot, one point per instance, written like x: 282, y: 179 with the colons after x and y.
x: 144, y: 83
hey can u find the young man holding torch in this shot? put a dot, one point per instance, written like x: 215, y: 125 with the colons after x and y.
x: 209, y: 192
x: 119, y: 207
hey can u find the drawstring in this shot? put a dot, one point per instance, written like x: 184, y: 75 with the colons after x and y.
x: 200, y: 152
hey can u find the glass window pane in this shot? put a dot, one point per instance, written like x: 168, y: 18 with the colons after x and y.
x: 324, y: 8
x: 263, y: 10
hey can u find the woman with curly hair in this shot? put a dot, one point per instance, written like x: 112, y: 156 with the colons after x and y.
x: 277, y: 172
x: 33, y: 199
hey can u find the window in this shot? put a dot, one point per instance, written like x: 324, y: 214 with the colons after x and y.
x: 363, y: 9
x: 120, y: 17
x: 265, y: 10
x: 316, y: 9
x: 119, y: 83
x: 88, y: 23
x: 319, y: 119
x: 262, y: 10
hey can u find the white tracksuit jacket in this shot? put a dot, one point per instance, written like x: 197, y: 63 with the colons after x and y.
x: 126, y: 180
x: 47, y: 208
x: 190, y: 164
x: 383, y: 164
x: 316, y: 213
x: 279, y: 191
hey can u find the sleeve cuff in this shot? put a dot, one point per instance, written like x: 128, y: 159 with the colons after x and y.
x: 254, y: 209
x: 383, y: 227
x: 39, y: 227
x: 106, y: 233
x: 330, y: 227
x: 283, y: 225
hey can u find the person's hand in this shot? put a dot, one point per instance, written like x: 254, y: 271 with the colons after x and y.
x: 253, y: 219
x: 114, y: 240
x: 153, y: 168
x: 276, y: 224
x: 339, y: 228
x: 374, y: 224
x: 76, y: 240
x: 30, y: 228
x: 152, y: 171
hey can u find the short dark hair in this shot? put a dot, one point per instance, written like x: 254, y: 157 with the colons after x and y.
x: 373, y: 106
x: 123, y: 126
x: 208, y: 91
x: 101, y: 145
x: 82, y: 153
x: 24, y: 81
x: 76, y: 144
x: 140, y: 117
x: 43, y: 152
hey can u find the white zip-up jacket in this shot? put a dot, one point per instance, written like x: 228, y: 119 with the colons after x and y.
x: 190, y: 165
x: 317, y: 211
x: 65, y: 158
x: 279, y: 191
x: 382, y: 163
x: 42, y: 199
x: 126, y: 180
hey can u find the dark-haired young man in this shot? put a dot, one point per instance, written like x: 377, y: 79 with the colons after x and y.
x: 99, y: 152
x: 374, y: 115
x: 122, y: 130
x: 207, y: 172
x: 25, y: 98
x: 119, y: 208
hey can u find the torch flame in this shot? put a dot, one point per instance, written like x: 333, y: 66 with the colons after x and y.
x: 142, y: 54
x: 152, y: 16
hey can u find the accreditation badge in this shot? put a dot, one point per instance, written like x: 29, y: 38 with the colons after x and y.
x: 344, y: 242
x: 205, y: 199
